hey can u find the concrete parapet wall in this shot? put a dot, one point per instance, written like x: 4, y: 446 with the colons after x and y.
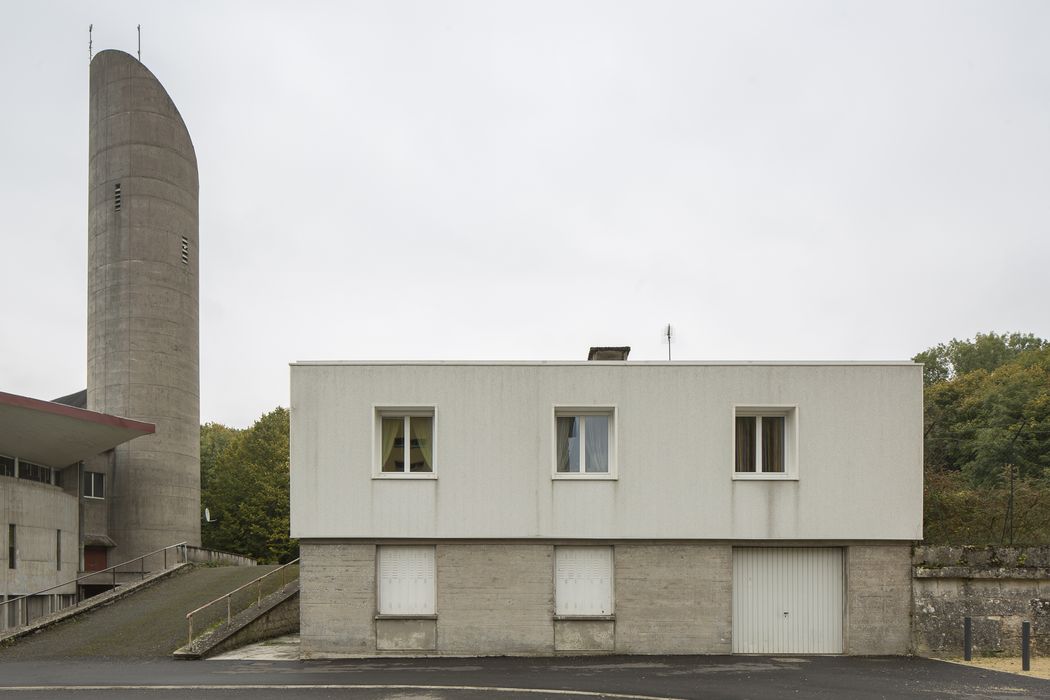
x: 998, y: 587
x: 277, y: 614
x: 200, y: 555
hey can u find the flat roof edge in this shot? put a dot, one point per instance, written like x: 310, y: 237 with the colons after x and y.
x: 593, y: 363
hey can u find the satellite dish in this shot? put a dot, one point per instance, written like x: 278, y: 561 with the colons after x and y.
x: 207, y: 516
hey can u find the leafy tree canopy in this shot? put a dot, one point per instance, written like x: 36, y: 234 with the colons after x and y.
x: 990, y: 408
x: 986, y: 351
x: 244, y: 485
x: 987, y: 440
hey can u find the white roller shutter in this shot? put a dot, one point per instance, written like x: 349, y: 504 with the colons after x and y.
x: 787, y: 600
x: 406, y: 580
x: 583, y: 580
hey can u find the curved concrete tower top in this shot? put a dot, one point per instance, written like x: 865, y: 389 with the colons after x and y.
x: 143, y: 329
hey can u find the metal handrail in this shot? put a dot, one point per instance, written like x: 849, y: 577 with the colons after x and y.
x: 228, y: 596
x: 181, y: 546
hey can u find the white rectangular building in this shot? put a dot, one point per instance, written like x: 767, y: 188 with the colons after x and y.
x: 628, y: 507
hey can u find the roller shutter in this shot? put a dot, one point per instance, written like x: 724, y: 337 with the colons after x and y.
x: 787, y: 600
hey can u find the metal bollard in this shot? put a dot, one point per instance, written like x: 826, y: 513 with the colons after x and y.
x: 967, y: 639
x: 1026, y: 647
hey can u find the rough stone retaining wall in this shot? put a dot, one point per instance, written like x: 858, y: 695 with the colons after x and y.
x: 998, y: 587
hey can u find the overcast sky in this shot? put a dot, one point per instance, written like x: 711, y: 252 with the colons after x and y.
x: 522, y: 180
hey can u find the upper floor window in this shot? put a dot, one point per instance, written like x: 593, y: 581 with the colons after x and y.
x: 584, y: 443
x: 34, y: 472
x: 7, y: 466
x: 764, y: 443
x: 406, y: 442
x: 94, y: 485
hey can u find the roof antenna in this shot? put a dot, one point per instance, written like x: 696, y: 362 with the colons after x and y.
x: 667, y: 334
x: 139, y: 28
x: 90, y: 53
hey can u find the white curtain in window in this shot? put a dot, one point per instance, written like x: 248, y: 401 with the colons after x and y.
x: 596, y: 434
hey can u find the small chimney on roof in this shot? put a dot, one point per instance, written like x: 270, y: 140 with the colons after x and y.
x: 609, y: 353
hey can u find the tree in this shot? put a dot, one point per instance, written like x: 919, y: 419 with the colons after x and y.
x: 987, y: 439
x: 215, y: 437
x: 980, y: 420
x: 246, y: 489
x: 986, y: 351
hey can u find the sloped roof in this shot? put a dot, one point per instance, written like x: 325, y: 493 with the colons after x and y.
x: 78, y: 399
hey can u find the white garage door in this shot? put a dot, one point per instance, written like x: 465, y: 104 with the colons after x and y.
x: 787, y: 600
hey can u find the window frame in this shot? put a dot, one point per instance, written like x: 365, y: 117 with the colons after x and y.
x: 564, y: 411
x: 83, y: 486
x: 34, y: 471
x: 789, y: 412
x: 422, y: 411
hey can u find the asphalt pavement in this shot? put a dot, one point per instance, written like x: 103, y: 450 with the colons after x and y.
x: 628, y: 678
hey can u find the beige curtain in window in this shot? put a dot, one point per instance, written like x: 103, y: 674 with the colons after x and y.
x: 564, y: 425
x: 391, y: 426
x: 422, y: 429
x: 745, y: 444
x: 773, y: 444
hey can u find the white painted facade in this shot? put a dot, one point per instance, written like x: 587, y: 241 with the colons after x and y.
x: 854, y: 452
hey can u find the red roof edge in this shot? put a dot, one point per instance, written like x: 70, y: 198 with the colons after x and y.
x: 59, y: 409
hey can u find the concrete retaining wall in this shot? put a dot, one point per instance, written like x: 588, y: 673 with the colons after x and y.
x: 998, y: 587
x: 278, y: 615
x: 200, y: 555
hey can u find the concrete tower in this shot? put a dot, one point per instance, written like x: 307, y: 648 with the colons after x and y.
x: 143, y: 353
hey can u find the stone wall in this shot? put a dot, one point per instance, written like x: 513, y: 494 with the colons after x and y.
x: 998, y: 587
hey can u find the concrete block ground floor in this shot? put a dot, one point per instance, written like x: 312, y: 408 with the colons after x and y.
x: 502, y: 598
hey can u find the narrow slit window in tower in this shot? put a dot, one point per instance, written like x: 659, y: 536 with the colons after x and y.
x: 116, y: 197
x: 185, y: 251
